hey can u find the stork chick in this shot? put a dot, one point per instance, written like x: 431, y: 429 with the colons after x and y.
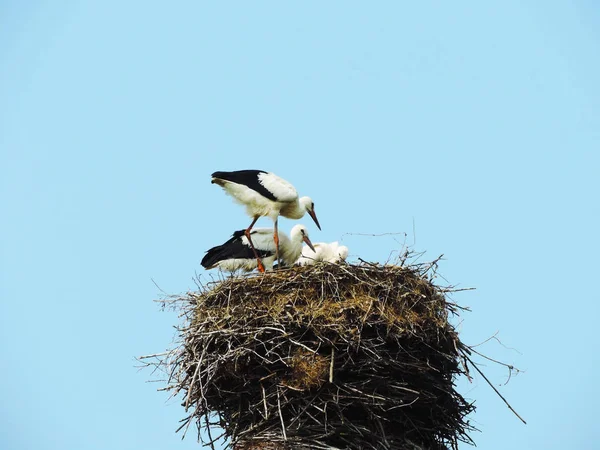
x: 330, y: 252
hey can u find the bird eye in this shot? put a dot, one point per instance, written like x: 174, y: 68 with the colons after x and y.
x: 312, y: 206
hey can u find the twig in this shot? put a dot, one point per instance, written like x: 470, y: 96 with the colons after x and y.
x: 281, y: 417
x: 494, y: 388
x: 158, y: 287
x: 331, y: 364
x: 369, y: 263
x: 262, y: 387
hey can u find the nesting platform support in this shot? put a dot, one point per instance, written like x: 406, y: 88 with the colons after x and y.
x: 322, y: 357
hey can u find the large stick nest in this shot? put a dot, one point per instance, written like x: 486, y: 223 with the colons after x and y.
x: 322, y: 357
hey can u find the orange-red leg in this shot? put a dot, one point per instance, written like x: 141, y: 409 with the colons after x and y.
x: 276, y: 239
x: 260, y: 266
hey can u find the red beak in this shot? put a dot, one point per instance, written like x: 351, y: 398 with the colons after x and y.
x: 307, y: 240
x: 314, y: 217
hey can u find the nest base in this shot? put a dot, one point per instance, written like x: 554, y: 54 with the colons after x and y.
x: 323, y: 357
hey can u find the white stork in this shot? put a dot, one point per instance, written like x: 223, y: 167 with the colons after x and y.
x: 238, y: 254
x: 265, y: 194
x: 332, y: 252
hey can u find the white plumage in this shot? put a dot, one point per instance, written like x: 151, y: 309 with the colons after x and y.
x: 265, y: 194
x: 236, y: 254
x: 280, y: 188
x: 329, y: 252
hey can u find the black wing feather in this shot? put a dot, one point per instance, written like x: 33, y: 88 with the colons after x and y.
x: 248, y: 178
x: 233, y: 248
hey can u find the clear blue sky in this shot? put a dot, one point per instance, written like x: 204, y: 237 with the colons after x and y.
x: 480, y: 122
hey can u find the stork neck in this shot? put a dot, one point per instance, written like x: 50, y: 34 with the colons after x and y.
x: 291, y: 252
x: 293, y: 210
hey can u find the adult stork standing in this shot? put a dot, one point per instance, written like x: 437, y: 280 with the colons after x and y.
x: 238, y: 254
x: 265, y: 194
